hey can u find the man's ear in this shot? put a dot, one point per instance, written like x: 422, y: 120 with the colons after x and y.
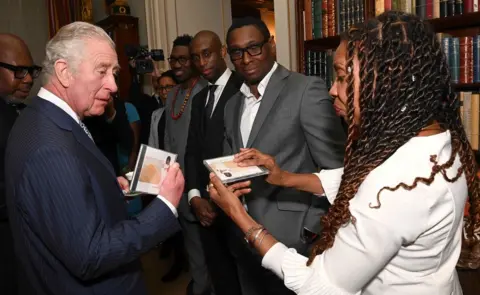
x: 273, y: 45
x: 62, y: 72
x: 224, y: 51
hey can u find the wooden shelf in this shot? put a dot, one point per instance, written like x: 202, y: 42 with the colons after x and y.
x: 456, y: 22
x: 440, y: 25
x: 467, y: 86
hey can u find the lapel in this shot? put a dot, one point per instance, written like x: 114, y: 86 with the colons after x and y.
x: 64, y: 121
x: 238, y: 102
x: 274, y: 87
x: 230, y: 89
x: 156, y: 116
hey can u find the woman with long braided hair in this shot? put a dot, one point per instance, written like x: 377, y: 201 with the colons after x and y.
x: 395, y: 225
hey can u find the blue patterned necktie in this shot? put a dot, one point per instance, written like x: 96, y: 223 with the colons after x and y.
x: 86, y: 130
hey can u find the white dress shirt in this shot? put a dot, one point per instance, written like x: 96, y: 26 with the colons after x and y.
x: 49, y: 96
x: 410, y: 245
x: 220, y: 83
x: 252, y: 104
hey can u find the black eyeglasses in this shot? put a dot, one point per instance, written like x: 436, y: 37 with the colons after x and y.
x: 252, y: 50
x: 182, y: 60
x: 166, y: 88
x: 21, y: 72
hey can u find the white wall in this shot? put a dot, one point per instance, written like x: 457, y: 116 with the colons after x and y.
x: 167, y: 19
x: 29, y: 20
x: 286, y: 41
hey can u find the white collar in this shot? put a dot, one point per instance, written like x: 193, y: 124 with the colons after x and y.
x: 49, y: 96
x: 223, y: 80
x: 262, y: 85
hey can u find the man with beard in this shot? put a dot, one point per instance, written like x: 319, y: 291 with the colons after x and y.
x: 17, y: 72
x: 177, y: 121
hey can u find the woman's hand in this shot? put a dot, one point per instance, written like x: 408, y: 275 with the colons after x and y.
x: 227, y: 198
x: 252, y: 157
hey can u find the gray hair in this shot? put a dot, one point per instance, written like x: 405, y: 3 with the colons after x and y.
x: 68, y: 44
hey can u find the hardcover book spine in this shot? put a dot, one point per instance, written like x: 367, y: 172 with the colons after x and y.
x: 331, y: 18
x: 468, y: 6
x: 429, y: 9
x: 455, y: 59
x: 450, y: 7
x: 443, y: 8
x: 422, y: 8
x: 476, y: 59
x: 324, y: 18
x: 458, y: 7
x: 317, y: 19
x: 436, y: 8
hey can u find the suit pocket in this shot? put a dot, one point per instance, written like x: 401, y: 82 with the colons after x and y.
x: 293, y: 200
x: 318, y: 208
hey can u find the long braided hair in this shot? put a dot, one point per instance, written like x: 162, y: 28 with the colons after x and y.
x: 404, y: 87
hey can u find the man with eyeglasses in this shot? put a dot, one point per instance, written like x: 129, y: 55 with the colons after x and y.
x: 17, y: 73
x: 177, y: 122
x: 290, y: 117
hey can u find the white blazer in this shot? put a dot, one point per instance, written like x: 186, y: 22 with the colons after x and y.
x: 153, y: 139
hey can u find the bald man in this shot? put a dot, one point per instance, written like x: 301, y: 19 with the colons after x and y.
x: 205, y: 141
x: 17, y: 73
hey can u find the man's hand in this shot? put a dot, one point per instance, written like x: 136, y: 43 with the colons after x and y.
x: 173, y: 185
x: 203, y: 210
x: 124, y: 185
x: 252, y: 157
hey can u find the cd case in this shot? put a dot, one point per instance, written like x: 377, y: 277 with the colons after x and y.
x: 228, y: 171
x: 151, y: 169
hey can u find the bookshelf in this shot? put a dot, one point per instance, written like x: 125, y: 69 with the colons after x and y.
x: 456, y: 22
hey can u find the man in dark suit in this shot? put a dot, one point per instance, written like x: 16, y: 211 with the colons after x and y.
x: 17, y: 72
x: 66, y: 206
x: 291, y: 117
x: 205, y: 141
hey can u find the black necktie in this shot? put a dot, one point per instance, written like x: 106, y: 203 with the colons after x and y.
x: 210, y: 102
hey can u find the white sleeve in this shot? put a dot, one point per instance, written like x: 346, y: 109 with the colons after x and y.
x: 330, y: 179
x: 360, y: 250
x: 193, y: 193
x: 170, y: 205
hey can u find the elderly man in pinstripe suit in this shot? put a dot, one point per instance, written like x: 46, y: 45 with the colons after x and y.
x: 66, y: 207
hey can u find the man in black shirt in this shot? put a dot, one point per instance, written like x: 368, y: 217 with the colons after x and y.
x: 17, y: 73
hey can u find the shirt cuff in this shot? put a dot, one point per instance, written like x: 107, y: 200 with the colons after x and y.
x: 193, y: 193
x: 330, y: 179
x: 273, y: 259
x: 170, y: 205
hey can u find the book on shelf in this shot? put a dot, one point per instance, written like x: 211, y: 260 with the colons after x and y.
x: 470, y: 115
x: 150, y: 169
x: 463, y: 57
x: 327, y: 18
x: 320, y: 63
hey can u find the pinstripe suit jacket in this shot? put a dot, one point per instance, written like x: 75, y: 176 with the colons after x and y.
x: 67, y: 211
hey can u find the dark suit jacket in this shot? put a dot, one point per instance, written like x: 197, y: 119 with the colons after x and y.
x: 108, y: 136
x: 68, y: 213
x: 8, y: 115
x: 205, y: 139
x: 145, y: 105
x: 296, y: 124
